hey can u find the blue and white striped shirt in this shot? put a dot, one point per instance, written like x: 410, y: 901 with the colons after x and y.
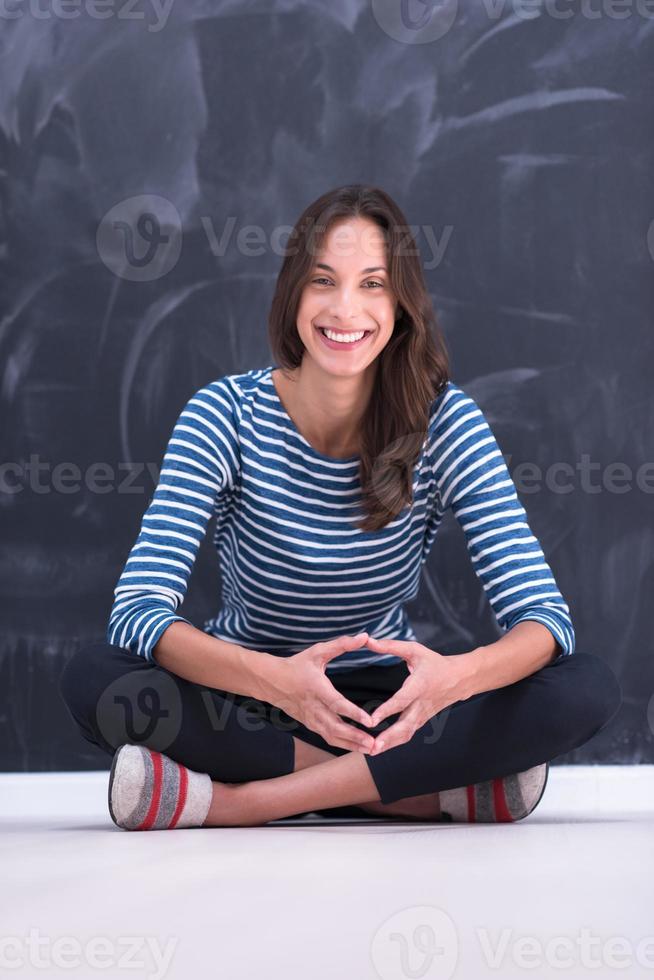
x: 295, y: 570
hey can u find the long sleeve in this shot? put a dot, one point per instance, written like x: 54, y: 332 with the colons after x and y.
x: 200, y: 465
x: 472, y: 478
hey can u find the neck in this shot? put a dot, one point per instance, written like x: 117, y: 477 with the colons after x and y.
x: 328, y: 409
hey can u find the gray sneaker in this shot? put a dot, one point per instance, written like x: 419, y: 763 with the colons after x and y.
x: 149, y: 791
x: 502, y: 800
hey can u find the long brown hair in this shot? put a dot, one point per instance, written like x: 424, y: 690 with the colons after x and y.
x: 414, y: 366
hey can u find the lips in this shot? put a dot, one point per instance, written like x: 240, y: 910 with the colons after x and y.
x: 340, y: 344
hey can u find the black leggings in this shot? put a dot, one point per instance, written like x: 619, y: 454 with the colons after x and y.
x: 116, y: 697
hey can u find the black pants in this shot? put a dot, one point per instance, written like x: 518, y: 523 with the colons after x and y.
x: 116, y: 697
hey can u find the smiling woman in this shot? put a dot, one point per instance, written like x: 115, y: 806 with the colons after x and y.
x: 354, y: 332
x: 319, y: 554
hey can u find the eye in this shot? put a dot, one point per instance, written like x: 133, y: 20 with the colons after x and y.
x: 371, y: 282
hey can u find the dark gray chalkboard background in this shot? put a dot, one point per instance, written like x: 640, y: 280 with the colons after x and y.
x: 523, y: 146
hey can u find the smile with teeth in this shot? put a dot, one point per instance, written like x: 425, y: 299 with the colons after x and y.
x: 340, y: 337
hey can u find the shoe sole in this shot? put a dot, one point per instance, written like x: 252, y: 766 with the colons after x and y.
x: 542, y: 792
x: 112, y: 775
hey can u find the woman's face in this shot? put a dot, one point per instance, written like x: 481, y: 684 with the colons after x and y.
x: 348, y: 293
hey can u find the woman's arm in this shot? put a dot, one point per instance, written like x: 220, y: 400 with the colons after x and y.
x: 474, y: 481
x: 522, y: 651
x: 202, y: 659
x: 298, y: 684
x: 200, y: 467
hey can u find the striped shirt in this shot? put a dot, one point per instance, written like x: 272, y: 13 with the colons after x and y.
x: 294, y: 567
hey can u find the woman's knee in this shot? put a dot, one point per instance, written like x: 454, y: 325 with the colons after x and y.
x: 115, y: 696
x: 598, y: 692
x: 86, y: 674
x: 72, y: 686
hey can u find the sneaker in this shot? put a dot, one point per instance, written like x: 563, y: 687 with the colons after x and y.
x: 502, y: 800
x: 149, y: 791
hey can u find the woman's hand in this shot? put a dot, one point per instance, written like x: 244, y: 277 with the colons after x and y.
x: 434, y: 683
x: 304, y: 692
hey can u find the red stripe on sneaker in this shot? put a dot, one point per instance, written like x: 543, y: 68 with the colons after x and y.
x: 470, y: 791
x: 181, y: 798
x: 502, y: 812
x: 151, y: 815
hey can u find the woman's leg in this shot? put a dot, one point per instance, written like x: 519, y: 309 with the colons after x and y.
x: 116, y: 697
x: 504, y: 731
x: 492, y: 734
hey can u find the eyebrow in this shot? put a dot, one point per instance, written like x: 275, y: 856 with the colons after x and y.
x: 370, y: 268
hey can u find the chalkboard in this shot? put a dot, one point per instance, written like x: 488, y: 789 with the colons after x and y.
x: 520, y: 149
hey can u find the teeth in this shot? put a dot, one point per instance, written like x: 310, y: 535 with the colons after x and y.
x: 343, y: 338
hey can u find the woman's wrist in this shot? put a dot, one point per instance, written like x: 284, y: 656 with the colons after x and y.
x: 189, y: 652
x: 466, y: 666
x: 268, y: 675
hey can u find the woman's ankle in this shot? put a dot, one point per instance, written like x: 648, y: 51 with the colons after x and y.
x: 309, y: 755
x: 425, y: 807
x: 232, y: 806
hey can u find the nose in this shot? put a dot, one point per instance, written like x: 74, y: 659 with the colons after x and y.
x: 344, y: 304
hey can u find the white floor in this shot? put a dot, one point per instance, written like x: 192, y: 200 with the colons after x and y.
x: 567, y: 892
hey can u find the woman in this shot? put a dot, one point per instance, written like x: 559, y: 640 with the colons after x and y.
x: 329, y: 474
